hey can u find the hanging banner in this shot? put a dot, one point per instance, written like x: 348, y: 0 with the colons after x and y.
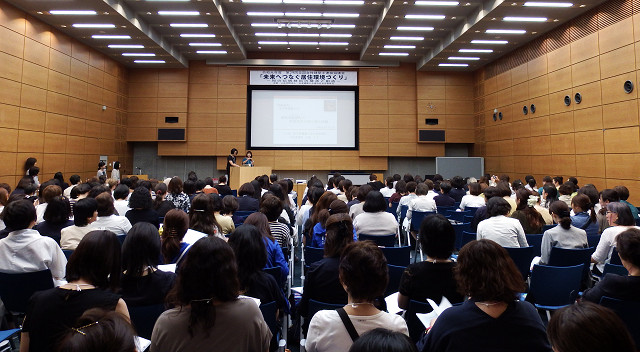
x: 303, y: 78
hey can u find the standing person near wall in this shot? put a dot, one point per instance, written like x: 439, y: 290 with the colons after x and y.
x: 231, y: 161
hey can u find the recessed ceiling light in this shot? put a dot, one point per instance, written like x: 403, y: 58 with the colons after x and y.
x: 437, y: 3
x: 263, y: 1
x: 195, y: 35
x: 189, y: 25
x: 303, y: 35
x: 506, y: 31
x: 340, y: 15
x: 303, y: 14
x: 342, y: 26
x: 303, y: 43
x: 407, y: 38
x: 272, y: 43
x: 334, y: 43
x: 168, y: 0
x: 409, y: 28
x: 425, y: 17
x: 393, y: 54
x: 265, y: 13
x: 344, y: 2
x: 454, y: 65
x: 205, y: 44
x: 271, y: 34
x: 336, y: 35
x: 305, y: 2
x: 149, y: 61
x: 548, y: 4
x: 94, y: 25
x: 107, y: 36
x: 73, y: 12
x: 478, y: 41
x: 463, y: 58
x: 399, y: 46
x: 211, y: 52
x: 138, y: 54
x: 264, y: 25
x: 475, y: 50
x: 524, y: 19
x: 125, y: 46
x: 178, y: 13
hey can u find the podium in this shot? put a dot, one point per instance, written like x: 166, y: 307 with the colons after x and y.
x: 244, y: 174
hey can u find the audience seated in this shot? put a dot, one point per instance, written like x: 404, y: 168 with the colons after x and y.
x: 86, y: 212
x: 584, y: 215
x: 222, y: 187
x: 356, y: 209
x: 607, y: 196
x: 56, y: 218
x: 275, y: 256
x: 287, y: 213
x: 406, y: 199
x: 161, y: 205
x: 565, y: 190
x: 492, y: 319
x: 246, y: 199
x: 208, y: 312
x: 563, y: 235
x: 174, y: 229
x: 201, y: 216
x: 623, y: 193
x: 141, y: 206
x: 588, y: 327
x: 364, y: 275
x: 107, y: 219
x: 319, y: 230
x: 100, y: 330
x: 175, y: 195
x: 432, y: 278
x: 142, y: 283
x: 620, y: 219
x: 626, y: 288
x: 388, y: 190
x: 224, y: 221
x: 481, y: 213
x: 422, y: 203
x: 375, y: 220
x: 401, y: 191
x: 271, y: 206
x: 549, y: 195
x: 121, y: 196
x: 473, y: 199
x: 47, y: 194
x: 457, y: 189
x: 93, y: 275
x: 383, y: 340
x: 528, y: 216
x: 507, y: 232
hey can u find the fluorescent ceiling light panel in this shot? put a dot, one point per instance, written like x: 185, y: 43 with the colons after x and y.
x: 463, y: 58
x: 303, y: 2
x: 409, y: 28
x: 303, y: 35
x: 475, y: 50
x: 303, y: 43
x: 264, y: 25
x: 343, y: 2
x: 178, y: 13
x: 107, y: 36
x: 506, y: 31
x: 272, y: 43
x: 205, y: 44
x: 547, y: 4
x: 336, y: 35
x: 333, y: 43
x: 126, y: 46
x: 265, y: 14
x: 454, y: 65
x: 195, y: 35
x: 73, y: 12
x: 211, y: 52
x: 341, y: 26
x: 189, y: 25
x: 271, y: 34
x: 393, y: 54
x: 263, y: 1
x: 478, y: 41
x: 425, y: 17
x: 524, y: 19
x: 437, y: 3
x: 303, y: 14
x: 149, y: 61
x: 399, y: 46
x: 407, y: 38
x: 138, y: 54
x: 94, y: 25
x: 340, y: 15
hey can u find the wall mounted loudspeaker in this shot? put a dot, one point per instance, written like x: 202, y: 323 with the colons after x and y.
x: 431, y: 122
x: 431, y: 136
x: 171, y: 119
x: 525, y: 110
x: 628, y: 87
x: 532, y: 109
x: 495, y: 117
x: 500, y: 115
x: 578, y: 98
x: 567, y: 100
x: 171, y: 134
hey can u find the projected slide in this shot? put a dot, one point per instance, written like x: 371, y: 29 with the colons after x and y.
x: 299, y: 119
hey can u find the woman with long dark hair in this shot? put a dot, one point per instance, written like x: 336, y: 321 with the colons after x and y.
x: 201, y: 217
x: 526, y: 213
x: 275, y: 256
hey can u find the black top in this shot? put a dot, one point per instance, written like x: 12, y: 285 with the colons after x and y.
x: 481, y: 214
x: 248, y: 203
x: 376, y: 185
x: 230, y: 158
x: 143, y: 215
x: 264, y: 287
x: 52, y: 313
x: 626, y: 288
x: 223, y: 190
x: 430, y: 280
x: 457, y: 194
x: 163, y: 208
x: 52, y: 230
x: 322, y: 284
x: 444, y: 200
x: 146, y: 290
x: 468, y: 328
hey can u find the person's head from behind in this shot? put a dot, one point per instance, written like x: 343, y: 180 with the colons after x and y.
x: 411, y: 186
x: 105, y: 204
x: 566, y: 188
x: 58, y: 210
x: 100, y: 330
x: 189, y: 187
x: 363, y: 271
x: 121, y: 192
x: 588, y: 327
x: 85, y: 212
x: 504, y: 188
x: 498, y: 206
x: 140, y: 199
x: 628, y: 246
x: 175, y: 185
x: 50, y: 192
x: 260, y: 221
x: 623, y: 192
x: 271, y: 206
x: 487, y: 273
x: 550, y: 193
x: 34, y: 171
x: 141, y: 249
x: 208, y: 273
x: 277, y: 190
x: 422, y: 189
x: 339, y: 234
x: 374, y: 202
x: 608, y: 196
x: 99, y: 189
x: 251, y: 255
x: 475, y: 189
x: 437, y: 237
x: 19, y: 215
x: 246, y: 190
x: 74, y: 179
x: 201, y: 217
x: 96, y: 260
x: 561, y: 214
x: 363, y: 191
x: 619, y: 214
x: 445, y: 187
x: 80, y: 191
x: 222, y: 179
x: 383, y: 340
x: 4, y: 197
x: 557, y: 181
x: 229, y: 204
x: 175, y: 226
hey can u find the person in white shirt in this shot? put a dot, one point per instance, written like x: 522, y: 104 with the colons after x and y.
x: 24, y: 249
x: 388, y: 190
x: 107, y: 220
x: 507, y: 232
x: 85, y: 212
x: 375, y: 220
x: 363, y: 274
x: 420, y: 203
x: 431, y: 194
x: 75, y: 180
x: 48, y: 193
x: 115, y: 173
x: 620, y: 218
x: 120, y: 194
x: 356, y: 209
x: 411, y: 188
x: 473, y: 199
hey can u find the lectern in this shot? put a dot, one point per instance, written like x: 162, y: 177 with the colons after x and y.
x: 244, y: 174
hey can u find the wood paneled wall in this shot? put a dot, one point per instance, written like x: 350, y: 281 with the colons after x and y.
x: 597, y: 140
x: 52, y: 90
x: 211, y: 103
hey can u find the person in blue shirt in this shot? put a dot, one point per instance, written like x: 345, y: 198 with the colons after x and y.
x: 275, y: 257
x: 319, y: 231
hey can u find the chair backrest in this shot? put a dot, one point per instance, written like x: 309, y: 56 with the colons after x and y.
x: 570, y: 256
x: 234, y: 192
x: 547, y: 227
x: 316, y: 306
x: 443, y: 208
x: 522, y: 257
x: 554, y: 287
x: 535, y: 240
x: 276, y: 272
x: 615, y: 257
x: 471, y: 210
x: 593, y: 240
x: 628, y: 311
x: 467, y: 237
x: 380, y: 240
x: 16, y: 289
x: 67, y: 253
x: 403, y: 211
x: 121, y: 238
x: 395, y: 273
x: 414, y: 324
x: 457, y: 215
x: 144, y: 318
x: 400, y: 256
x: 467, y: 218
x: 638, y: 222
x: 417, y: 217
x: 614, y: 269
x: 269, y: 314
x: 460, y: 228
x: 312, y: 255
x: 393, y: 209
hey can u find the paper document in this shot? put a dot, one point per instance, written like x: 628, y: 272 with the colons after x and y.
x: 167, y: 267
x: 142, y: 344
x: 426, y: 318
x: 251, y: 298
x: 392, y: 303
x: 298, y: 289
